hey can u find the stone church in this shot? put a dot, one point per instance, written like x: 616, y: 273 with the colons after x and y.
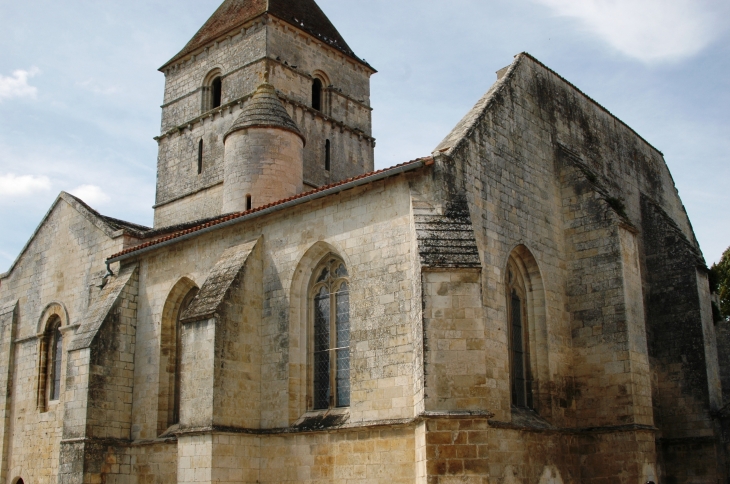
x: 528, y: 304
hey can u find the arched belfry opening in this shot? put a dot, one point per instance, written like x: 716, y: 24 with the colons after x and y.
x: 212, y: 90
x: 216, y: 88
x: 526, y: 328
x: 317, y: 94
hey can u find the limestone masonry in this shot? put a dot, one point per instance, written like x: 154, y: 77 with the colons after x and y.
x: 527, y: 305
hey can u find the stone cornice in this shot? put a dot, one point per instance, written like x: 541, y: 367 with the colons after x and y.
x: 230, y: 106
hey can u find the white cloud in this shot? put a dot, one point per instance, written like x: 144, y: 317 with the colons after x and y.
x: 17, y: 85
x: 17, y: 186
x: 648, y: 30
x: 91, y: 194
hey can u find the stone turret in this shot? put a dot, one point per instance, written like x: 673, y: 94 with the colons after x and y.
x: 263, y: 157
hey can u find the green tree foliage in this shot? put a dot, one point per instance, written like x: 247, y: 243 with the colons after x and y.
x: 720, y: 283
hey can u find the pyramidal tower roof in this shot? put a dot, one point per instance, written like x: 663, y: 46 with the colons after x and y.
x: 233, y: 14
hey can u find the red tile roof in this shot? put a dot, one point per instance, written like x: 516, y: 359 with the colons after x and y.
x: 238, y: 215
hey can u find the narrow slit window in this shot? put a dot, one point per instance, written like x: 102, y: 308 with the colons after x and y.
x: 317, y: 94
x: 248, y: 202
x: 200, y: 157
x: 327, y: 155
x: 216, y: 88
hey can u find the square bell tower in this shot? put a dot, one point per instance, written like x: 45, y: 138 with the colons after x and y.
x: 323, y: 85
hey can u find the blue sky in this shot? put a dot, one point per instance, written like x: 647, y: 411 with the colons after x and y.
x: 80, y: 91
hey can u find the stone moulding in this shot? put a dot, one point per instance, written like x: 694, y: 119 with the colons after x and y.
x: 484, y: 416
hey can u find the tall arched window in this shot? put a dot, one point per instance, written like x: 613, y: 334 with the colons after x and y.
x: 317, y: 94
x: 519, y: 341
x: 51, y: 364
x: 330, y: 315
x: 178, y: 356
x: 171, y: 353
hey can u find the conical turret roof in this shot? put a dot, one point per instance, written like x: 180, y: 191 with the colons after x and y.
x: 264, y: 110
x: 233, y: 14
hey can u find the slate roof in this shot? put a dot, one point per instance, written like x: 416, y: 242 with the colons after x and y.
x: 185, y: 231
x: 233, y: 14
x: 264, y: 110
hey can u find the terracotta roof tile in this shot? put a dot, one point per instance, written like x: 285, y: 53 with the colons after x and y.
x: 234, y: 216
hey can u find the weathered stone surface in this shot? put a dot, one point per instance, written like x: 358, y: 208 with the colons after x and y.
x: 216, y: 286
x: 528, y: 306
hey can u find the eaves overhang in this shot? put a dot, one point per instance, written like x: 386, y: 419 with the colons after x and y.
x: 235, y: 218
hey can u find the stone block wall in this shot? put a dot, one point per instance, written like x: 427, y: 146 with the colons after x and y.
x: 685, y: 373
x: 290, y: 58
x: 511, y: 146
x: 457, y: 376
x: 606, y: 302
x: 370, y: 228
x: 311, y: 55
x: 473, y: 451
x: 367, y: 455
x: 59, y: 268
x: 184, y: 81
x: 264, y: 164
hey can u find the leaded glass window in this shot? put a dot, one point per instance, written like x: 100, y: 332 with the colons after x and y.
x: 330, y: 301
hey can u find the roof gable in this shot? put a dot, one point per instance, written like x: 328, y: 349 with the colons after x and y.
x: 463, y: 128
x: 233, y: 14
x: 110, y: 226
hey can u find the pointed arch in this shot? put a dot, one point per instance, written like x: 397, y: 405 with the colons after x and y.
x: 168, y: 399
x: 527, y: 327
x: 299, y: 327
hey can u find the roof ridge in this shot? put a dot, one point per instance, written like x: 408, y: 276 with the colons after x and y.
x: 96, y: 219
x: 589, y: 98
x: 464, y: 127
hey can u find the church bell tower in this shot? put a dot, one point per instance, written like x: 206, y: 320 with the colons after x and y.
x: 266, y: 100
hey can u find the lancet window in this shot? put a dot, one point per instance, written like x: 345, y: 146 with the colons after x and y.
x: 330, y: 315
x: 519, y: 342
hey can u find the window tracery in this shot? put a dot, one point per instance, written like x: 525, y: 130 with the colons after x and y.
x: 330, y: 313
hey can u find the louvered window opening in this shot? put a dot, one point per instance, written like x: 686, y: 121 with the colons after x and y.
x: 331, y: 345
